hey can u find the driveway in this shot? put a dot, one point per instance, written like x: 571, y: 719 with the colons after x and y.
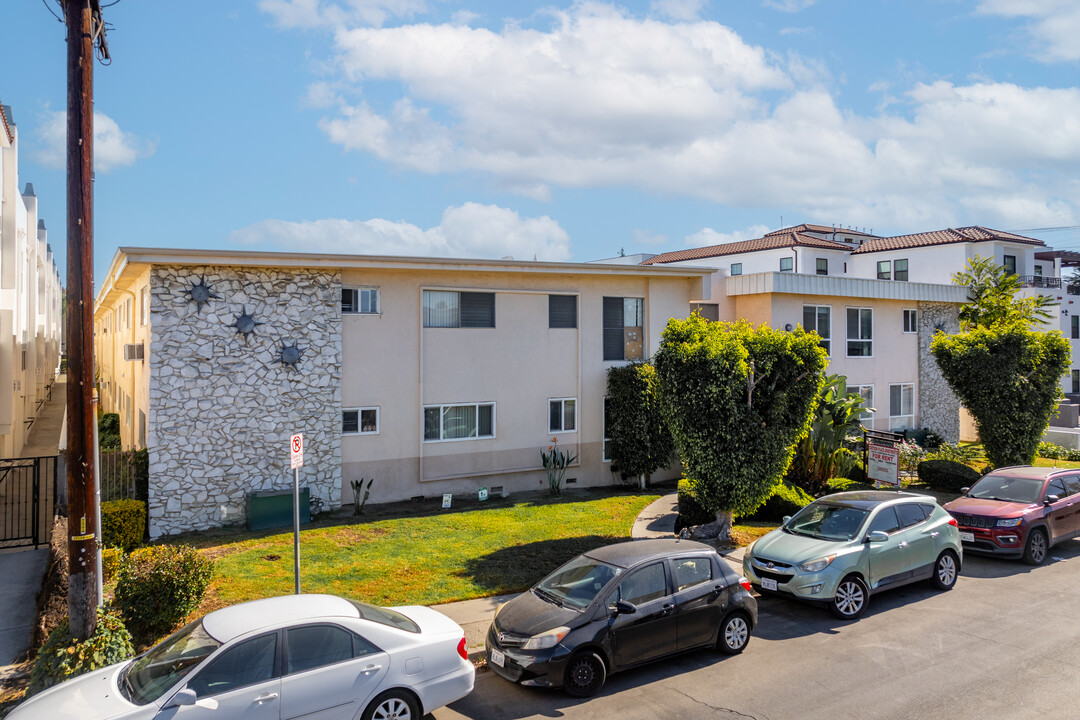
x: 1005, y: 643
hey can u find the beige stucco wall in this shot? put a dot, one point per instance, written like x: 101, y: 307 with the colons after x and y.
x: 119, y: 378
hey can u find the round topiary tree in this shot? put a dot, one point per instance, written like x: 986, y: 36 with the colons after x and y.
x: 641, y: 443
x: 736, y: 398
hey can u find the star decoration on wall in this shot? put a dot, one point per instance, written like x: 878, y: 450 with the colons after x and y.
x: 290, y: 354
x: 201, y: 294
x: 245, y: 323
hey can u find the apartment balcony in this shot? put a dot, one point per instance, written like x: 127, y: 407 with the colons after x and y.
x: 1039, y: 281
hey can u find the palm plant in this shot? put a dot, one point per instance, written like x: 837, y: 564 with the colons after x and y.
x: 819, y: 453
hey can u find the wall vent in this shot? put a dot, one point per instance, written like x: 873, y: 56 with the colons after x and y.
x: 133, y: 351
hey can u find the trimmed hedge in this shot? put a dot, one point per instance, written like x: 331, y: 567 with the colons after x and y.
x: 110, y: 562
x: 159, y: 586
x: 786, y: 499
x: 62, y: 657
x: 691, y: 512
x: 947, y: 475
x: 123, y: 523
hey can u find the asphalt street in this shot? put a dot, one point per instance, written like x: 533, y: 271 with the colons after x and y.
x: 1004, y: 643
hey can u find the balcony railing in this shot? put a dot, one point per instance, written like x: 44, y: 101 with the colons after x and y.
x: 1038, y: 281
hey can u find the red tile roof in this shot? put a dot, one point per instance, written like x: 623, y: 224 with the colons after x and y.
x: 947, y: 236
x: 806, y: 227
x: 771, y: 241
x: 7, y: 129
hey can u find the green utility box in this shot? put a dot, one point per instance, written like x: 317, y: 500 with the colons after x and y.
x: 274, y: 509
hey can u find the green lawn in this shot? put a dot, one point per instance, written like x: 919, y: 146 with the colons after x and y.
x: 433, y: 557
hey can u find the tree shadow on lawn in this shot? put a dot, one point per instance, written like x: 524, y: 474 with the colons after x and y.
x: 519, y: 567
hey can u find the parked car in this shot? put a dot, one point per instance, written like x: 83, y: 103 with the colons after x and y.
x: 293, y: 656
x: 842, y: 548
x: 1019, y: 512
x: 617, y: 607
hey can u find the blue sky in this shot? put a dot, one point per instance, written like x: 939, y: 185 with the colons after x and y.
x: 556, y: 130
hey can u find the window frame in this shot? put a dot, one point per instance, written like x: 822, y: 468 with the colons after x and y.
x: 551, y: 299
x: 821, y: 263
x: 275, y: 674
x: 897, y: 271
x: 790, y: 260
x: 886, y: 273
x: 826, y: 342
x: 863, y: 414
x: 1005, y: 262
x: 915, y: 322
x: 562, y: 415
x: 144, y: 306
x: 736, y: 269
x: 1076, y: 381
x: 1074, y: 327
x: 359, y: 410
x: 893, y: 418
x: 457, y: 311
x: 357, y: 290
x: 859, y: 339
x: 606, y: 328
x: 442, y: 416
x: 286, y: 655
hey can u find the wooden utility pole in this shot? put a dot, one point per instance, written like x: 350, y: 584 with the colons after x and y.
x: 82, y: 546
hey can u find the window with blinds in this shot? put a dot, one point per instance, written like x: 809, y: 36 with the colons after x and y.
x: 624, y: 328
x: 454, y: 309
x: 562, y: 311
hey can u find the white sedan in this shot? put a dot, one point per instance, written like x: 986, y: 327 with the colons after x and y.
x: 318, y: 657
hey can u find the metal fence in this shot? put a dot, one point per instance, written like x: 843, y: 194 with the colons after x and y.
x: 27, y: 496
x: 120, y: 476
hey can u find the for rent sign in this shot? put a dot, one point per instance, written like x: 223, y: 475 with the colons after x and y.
x: 883, y: 463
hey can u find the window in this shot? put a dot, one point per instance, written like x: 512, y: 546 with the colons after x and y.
x: 911, y: 321
x: 1038, y: 271
x: 885, y: 521
x: 248, y: 663
x: 459, y: 422
x: 1075, y: 326
x: 708, y: 311
x: 910, y: 514
x: 624, y: 328
x: 818, y: 318
x: 884, y: 270
x: 607, y: 440
x: 692, y: 571
x: 361, y: 300
x: 1072, y: 484
x: 860, y: 332
x: 360, y: 421
x: 316, y: 646
x: 449, y: 308
x: 900, y: 270
x: 901, y: 406
x: 1076, y: 381
x: 645, y: 585
x: 144, y: 306
x: 1056, y: 487
x: 787, y: 264
x: 1009, y: 263
x: 736, y: 268
x: 822, y: 266
x: 867, y: 394
x: 562, y: 415
x: 562, y: 311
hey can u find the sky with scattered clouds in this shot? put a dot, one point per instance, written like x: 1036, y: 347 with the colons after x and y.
x: 558, y: 130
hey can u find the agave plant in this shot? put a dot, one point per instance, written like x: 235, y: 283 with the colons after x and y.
x: 555, y: 463
x: 818, y: 454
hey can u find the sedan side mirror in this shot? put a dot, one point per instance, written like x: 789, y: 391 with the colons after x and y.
x: 183, y: 697
x: 625, y: 608
x: 877, y: 536
x: 785, y: 520
x: 1051, y: 499
x: 964, y: 490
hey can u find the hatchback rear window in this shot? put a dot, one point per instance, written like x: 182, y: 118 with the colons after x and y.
x: 385, y: 616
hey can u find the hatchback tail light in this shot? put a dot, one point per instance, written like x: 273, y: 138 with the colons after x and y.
x: 952, y: 521
x: 461, y: 649
x: 746, y: 584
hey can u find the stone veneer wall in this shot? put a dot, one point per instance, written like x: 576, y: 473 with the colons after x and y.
x: 222, y: 407
x: 939, y: 408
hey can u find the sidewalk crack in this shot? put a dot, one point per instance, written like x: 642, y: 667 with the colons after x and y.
x: 719, y: 709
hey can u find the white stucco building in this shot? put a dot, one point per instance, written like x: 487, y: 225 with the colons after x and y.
x: 30, y: 300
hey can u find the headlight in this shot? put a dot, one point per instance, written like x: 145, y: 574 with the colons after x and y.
x: 818, y: 565
x: 1009, y: 522
x: 548, y: 639
x: 749, y: 547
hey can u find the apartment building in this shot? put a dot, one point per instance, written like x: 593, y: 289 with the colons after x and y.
x: 429, y: 375
x: 30, y: 300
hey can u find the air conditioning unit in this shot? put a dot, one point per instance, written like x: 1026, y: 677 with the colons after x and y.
x: 133, y: 351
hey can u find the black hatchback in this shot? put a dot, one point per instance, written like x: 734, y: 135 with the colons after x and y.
x: 620, y: 606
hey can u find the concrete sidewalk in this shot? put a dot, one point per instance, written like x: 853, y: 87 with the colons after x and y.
x: 22, y: 573
x: 657, y: 520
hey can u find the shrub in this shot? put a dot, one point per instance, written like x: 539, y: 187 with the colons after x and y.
x: 159, y: 586
x: 849, y: 465
x: 910, y: 455
x: 1072, y: 455
x: 123, y: 523
x: 786, y: 499
x: 1051, y: 451
x: 947, y: 475
x: 109, y: 431
x: 62, y: 657
x: 640, y: 441
x: 691, y: 511
x: 957, y: 453
x: 110, y: 562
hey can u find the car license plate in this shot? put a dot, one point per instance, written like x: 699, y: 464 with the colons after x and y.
x: 967, y: 537
x: 768, y: 584
x: 498, y: 658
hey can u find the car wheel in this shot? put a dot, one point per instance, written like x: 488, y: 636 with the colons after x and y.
x: 734, y: 634
x: 585, y: 675
x: 850, y: 599
x: 393, y: 705
x: 946, y: 570
x: 1035, y: 547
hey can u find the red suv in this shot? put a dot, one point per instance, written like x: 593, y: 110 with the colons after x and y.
x: 1019, y: 512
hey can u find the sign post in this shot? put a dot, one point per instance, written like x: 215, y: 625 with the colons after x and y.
x: 883, y: 457
x: 296, y: 461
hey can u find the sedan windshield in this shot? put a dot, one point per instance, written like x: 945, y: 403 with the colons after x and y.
x: 577, y: 583
x: 827, y: 521
x: 164, y: 665
x: 1008, y: 489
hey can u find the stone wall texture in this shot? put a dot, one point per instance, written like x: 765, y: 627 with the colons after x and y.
x: 223, y: 405
x: 939, y: 408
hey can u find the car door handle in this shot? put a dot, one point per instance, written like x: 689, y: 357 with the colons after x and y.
x: 667, y: 608
x: 718, y: 589
x: 934, y: 534
x: 902, y: 544
x: 266, y: 698
x: 372, y: 668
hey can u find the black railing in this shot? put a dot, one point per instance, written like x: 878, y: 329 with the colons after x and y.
x: 26, y: 488
x: 1038, y: 281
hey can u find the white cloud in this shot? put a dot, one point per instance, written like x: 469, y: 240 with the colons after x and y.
x: 678, y: 9
x: 601, y: 98
x: 1053, y: 25
x: 471, y: 230
x: 707, y: 236
x: 648, y: 238
x: 112, y: 146
x: 788, y: 6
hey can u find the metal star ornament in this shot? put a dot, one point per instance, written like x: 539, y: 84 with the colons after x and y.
x: 245, y: 323
x: 290, y: 354
x: 201, y: 294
